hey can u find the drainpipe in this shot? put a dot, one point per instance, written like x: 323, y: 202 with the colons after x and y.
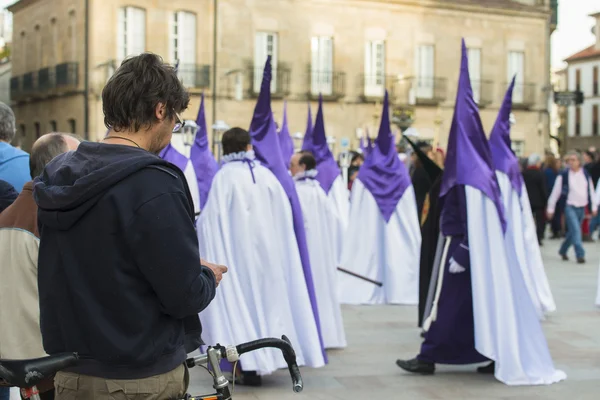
x: 86, y: 73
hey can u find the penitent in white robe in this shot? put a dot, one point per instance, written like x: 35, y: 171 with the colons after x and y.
x: 387, y: 252
x: 507, y: 327
x: 322, y: 225
x: 340, y: 197
x: 190, y: 177
x: 523, y: 248
x: 248, y: 227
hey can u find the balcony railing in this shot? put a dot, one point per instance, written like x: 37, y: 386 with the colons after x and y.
x: 524, y: 95
x: 194, y: 76
x: 280, y: 80
x: 45, y: 82
x: 330, y: 84
x: 373, y: 87
x: 420, y: 90
x: 67, y: 74
x: 483, y: 92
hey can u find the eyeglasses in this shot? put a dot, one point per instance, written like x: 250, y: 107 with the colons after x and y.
x: 179, y: 124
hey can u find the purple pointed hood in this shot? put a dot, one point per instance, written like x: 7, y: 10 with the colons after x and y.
x: 267, y: 149
x: 326, y: 165
x: 171, y: 155
x: 504, y: 159
x: 285, y: 140
x: 308, y: 134
x: 382, y: 173
x: 469, y: 159
x: 202, y: 159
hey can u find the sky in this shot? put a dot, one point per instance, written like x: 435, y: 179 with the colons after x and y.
x: 574, y: 28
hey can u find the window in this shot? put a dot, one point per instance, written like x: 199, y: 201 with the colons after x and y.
x: 53, y: 126
x: 38, y: 132
x: 595, y: 120
x: 72, y: 126
x: 24, y: 50
x: 375, y: 68
x: 516, y: 68
x: 577, y: 121
x: 577, y: 79
x: 73, y: 35
x: 425, y: 71
x: 182, y: 45
x: 39, y: 50
x: 54, y: 47
x: 265, y: 44
x: 321, y: 67
x: 595, y: 73
x: 475, y: 72
x: 518, y: 147
x: 131, y: 32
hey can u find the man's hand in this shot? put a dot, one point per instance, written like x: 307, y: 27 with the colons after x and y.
x: 217, y: 270
x: 550, y: 215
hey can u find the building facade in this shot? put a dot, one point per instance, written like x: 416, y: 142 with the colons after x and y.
x: 350, y: 51
x: 583, y: 74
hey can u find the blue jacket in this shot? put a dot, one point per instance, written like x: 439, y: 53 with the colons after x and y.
x: 119, y: 270
x: 14, y: 166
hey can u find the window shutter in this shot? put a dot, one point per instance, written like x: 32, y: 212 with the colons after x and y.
x: 475, y: 72
x: 121, y: 35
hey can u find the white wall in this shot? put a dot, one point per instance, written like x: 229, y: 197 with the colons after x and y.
x: 586, y: 86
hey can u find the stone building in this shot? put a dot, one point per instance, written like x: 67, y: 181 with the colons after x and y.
x: 583, y: 74
x: 348, y: 50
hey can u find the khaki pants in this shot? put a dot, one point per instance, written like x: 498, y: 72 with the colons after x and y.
x: 172, y: 385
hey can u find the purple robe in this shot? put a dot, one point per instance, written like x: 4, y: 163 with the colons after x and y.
x: 308, y: 137
x: 285, y: 140
x: 173, y: 156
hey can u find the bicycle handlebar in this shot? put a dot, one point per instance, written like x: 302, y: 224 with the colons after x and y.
x: 289, y: 355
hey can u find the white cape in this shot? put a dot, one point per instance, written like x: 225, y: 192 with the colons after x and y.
x: 340, y: 197
x: 514, y: 239
x: 248, y: 227
x: 192, y: 181
x: 322, y: 225
x: 385, y: 252
x: 507, y: 328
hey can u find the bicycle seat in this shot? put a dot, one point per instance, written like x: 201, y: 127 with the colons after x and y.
x: 29, y: 373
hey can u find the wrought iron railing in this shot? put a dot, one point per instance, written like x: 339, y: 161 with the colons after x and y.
x: 330, y: 84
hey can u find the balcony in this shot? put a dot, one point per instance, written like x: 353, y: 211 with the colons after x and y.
x: 372, y: 87
x: 194, y: 76
x: 524, y: 95
x: 48, y: 81
x: 420, y: 91
x: 330, y: 84
x: 280, y: 80
x: 483, y: 92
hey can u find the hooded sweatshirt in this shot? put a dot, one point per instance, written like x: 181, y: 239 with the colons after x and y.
x: 119, y: 270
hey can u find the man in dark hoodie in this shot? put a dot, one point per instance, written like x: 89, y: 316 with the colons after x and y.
x: 120, y: 276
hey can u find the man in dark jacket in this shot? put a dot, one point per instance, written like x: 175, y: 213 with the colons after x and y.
x: 120, y: 277
x: 8, y: 194
x: 535, y: 182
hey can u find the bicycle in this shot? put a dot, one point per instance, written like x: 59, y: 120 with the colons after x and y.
x: 27, y: 374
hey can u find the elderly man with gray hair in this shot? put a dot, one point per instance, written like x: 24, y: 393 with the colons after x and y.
x: 575, y: 189
x: 535, y: 182
x: 14, y: 163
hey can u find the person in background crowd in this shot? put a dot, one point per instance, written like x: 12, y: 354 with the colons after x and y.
x: 19, y: 245
x: 588, y: 160
x: 355, y: 164
x: 14, y: 163
x: 419, y: 177
x: 535, y: 182
x: 8, y: 194
x: 128, y: 300
x: 551, y: 169
x: 573, y: 188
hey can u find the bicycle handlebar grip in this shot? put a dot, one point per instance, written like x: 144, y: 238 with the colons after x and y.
x: 298, y: 385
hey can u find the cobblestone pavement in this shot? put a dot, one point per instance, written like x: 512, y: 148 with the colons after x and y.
x: 378, y: 335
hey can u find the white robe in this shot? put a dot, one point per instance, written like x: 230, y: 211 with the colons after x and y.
x: 248, y: 227
x: 514, y: 237
x: 322, y: 225
x: 507, y: 328
x: 340, y: 197
x: 385, y: 252
x: 190, y: 177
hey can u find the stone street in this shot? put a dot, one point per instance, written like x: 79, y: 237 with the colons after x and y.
x: 377, y: 336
